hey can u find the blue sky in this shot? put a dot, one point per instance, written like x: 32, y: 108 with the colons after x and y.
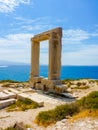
x: 22, y: 19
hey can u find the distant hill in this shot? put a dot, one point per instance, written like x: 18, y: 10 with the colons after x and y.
x: 6, y: 63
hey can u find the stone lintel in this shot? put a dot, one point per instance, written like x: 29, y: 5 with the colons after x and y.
x: 46, y: 35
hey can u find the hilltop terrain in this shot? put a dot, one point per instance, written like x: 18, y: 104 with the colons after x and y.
x: 76, y: 88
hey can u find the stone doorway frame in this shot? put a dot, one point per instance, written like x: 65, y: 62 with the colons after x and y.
x: 55, y: 45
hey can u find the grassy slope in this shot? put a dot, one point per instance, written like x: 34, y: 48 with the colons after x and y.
x: 89, y: 103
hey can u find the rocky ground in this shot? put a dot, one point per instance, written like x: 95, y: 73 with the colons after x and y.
x: 81, y: 124
x: 77, y: 89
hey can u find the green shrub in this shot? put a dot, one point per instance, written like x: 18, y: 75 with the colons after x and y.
x: 60, y: 112
x: 81, y: 87
x: 67, y: 80
x: 45, y: 118
x: 93, y: 94
x: 89, y: 102
x: 79, y: 84
x: 64, y: 110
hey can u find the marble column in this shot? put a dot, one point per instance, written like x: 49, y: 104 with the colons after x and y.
x: 54, y: 56
x: 35, y: 52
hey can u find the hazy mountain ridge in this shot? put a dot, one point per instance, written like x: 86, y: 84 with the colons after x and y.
x: 6, y: 63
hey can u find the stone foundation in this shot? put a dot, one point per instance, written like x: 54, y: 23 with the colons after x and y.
x: 45, y: 84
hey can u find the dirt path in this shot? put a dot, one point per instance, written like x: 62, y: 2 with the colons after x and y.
x: 27, y: 117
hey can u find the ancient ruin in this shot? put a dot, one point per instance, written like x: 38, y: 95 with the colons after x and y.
x: 53, y: 82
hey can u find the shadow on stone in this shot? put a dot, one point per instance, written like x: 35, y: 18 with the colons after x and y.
x: 19, y: 126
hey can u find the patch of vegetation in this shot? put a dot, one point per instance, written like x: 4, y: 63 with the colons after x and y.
x: 9, y: 81
x: 20, y: 85
x: 9, y: 90
x: 60, y: 112
x: 10, y: 128
x: 92, y: 81
x: 81, y: 87
x: 89, y: 102
x: 22, y: 105
x: 28, y: 126
x: 79, y: 83
x: 83, y: 79
x: 96, y: 81
x: 67, y: 80
x: 69, y: 85
x: 86, y: 113
x: 6, y: 84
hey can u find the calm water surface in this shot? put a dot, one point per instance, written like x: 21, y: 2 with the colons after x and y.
x: 21, y: 73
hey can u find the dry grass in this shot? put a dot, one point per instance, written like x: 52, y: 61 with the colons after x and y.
x: 86, y: 113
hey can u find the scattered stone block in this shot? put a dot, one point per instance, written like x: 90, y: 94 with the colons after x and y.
x: 14, y: 91
x: 5, y: 103
x: 60, y: 88
x: 10, y: 94
x: 33, y: 97
x: 3, y: 96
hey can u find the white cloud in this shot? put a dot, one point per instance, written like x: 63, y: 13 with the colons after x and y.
x: 15, y: 39
x: 35, y: 26
x: 10, y: 5
x: 88, y: 55
x: 77, y: 36
x: 25, y: 20
x: 16, y: 47
x: 74, y: 36
x: 94, y: 34
x: 76, y: 47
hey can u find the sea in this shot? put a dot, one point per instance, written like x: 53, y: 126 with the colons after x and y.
x: 22, y: 72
